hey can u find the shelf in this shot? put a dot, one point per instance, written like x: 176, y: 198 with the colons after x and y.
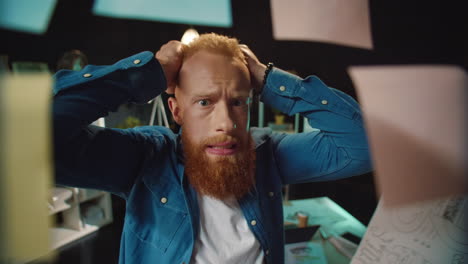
x: 86, y: 195
x: 61, y: 236
x: 103, y: 222
x: 59, y: 208
x: 60, y: 200
x: 68, y: 208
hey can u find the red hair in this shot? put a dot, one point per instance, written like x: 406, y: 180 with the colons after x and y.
x: 215, y: 43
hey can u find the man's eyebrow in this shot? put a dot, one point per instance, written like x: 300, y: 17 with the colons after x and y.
x: 203, y: 94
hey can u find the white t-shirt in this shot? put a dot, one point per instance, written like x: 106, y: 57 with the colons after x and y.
x: 224, y: 234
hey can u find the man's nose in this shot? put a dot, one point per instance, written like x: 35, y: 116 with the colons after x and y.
x: 224, y: 120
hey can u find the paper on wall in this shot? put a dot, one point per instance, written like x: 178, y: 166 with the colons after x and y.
x: 195, y: 12
x: 416, y: 120
x: 25, y: 15
x: 343, y: 22
x: 432, y: 232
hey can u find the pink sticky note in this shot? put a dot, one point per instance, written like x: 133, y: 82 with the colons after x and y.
x: 344, y: 22
x: 416, y: 119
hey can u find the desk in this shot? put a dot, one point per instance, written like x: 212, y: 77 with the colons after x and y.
x: 333, y: 220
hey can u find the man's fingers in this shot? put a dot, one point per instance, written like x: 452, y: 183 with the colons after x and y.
x: 170, y: 56
x: 250, y: 56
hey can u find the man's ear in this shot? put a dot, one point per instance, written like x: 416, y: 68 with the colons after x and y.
x: 175, y: 110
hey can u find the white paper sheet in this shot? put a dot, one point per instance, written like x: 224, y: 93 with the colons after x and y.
x: 432, y: 232
x: 195, y: 12
x: 344, y: 22
x: 416, y: 120
x: 304, y: 253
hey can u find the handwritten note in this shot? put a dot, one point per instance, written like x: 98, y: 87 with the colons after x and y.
x: 432, y: 232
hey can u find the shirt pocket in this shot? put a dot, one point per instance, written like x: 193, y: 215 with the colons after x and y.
x: 155, y: 215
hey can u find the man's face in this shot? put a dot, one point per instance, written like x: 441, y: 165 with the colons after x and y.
x: 211, y: 105
x: 212, y: 94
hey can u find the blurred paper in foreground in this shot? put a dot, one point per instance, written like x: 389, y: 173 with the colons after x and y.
x: 194, y: 12
x: 25, y: 15
x: 416, y: 119
x: 427, y: 233
x: 25, y: 171
x: 343, y: 22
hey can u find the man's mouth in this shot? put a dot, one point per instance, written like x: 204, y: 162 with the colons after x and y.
x: 223, y: 148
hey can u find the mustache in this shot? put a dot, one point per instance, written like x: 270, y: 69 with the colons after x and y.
x: 219, y: 139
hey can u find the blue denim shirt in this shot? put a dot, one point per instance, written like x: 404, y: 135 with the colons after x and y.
x: 145, y: 165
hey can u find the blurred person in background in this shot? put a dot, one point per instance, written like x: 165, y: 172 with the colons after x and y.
x: 72, y: 60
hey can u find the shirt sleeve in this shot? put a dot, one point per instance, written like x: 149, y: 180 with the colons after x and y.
x: 94, y: 157
x: 336, y: 148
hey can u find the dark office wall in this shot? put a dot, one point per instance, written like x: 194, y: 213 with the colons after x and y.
x: 404, y: 32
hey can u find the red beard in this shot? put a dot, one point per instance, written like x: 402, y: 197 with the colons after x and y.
x: 224, y: 176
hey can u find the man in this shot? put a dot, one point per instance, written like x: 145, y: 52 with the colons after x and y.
x: 211, y: 194
x: 72, y: 60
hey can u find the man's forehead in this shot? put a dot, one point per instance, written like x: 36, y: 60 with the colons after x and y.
x: 216, y: 89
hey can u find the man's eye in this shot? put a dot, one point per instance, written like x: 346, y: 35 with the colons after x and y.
x: 203, y: 102
x: 237, y: 102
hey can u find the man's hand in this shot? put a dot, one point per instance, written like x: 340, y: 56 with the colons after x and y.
x: 170, y: 57
x: 256, y: 68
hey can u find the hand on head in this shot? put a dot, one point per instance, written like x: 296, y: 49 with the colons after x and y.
x: 256, y: 68
x: 170, y: 57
